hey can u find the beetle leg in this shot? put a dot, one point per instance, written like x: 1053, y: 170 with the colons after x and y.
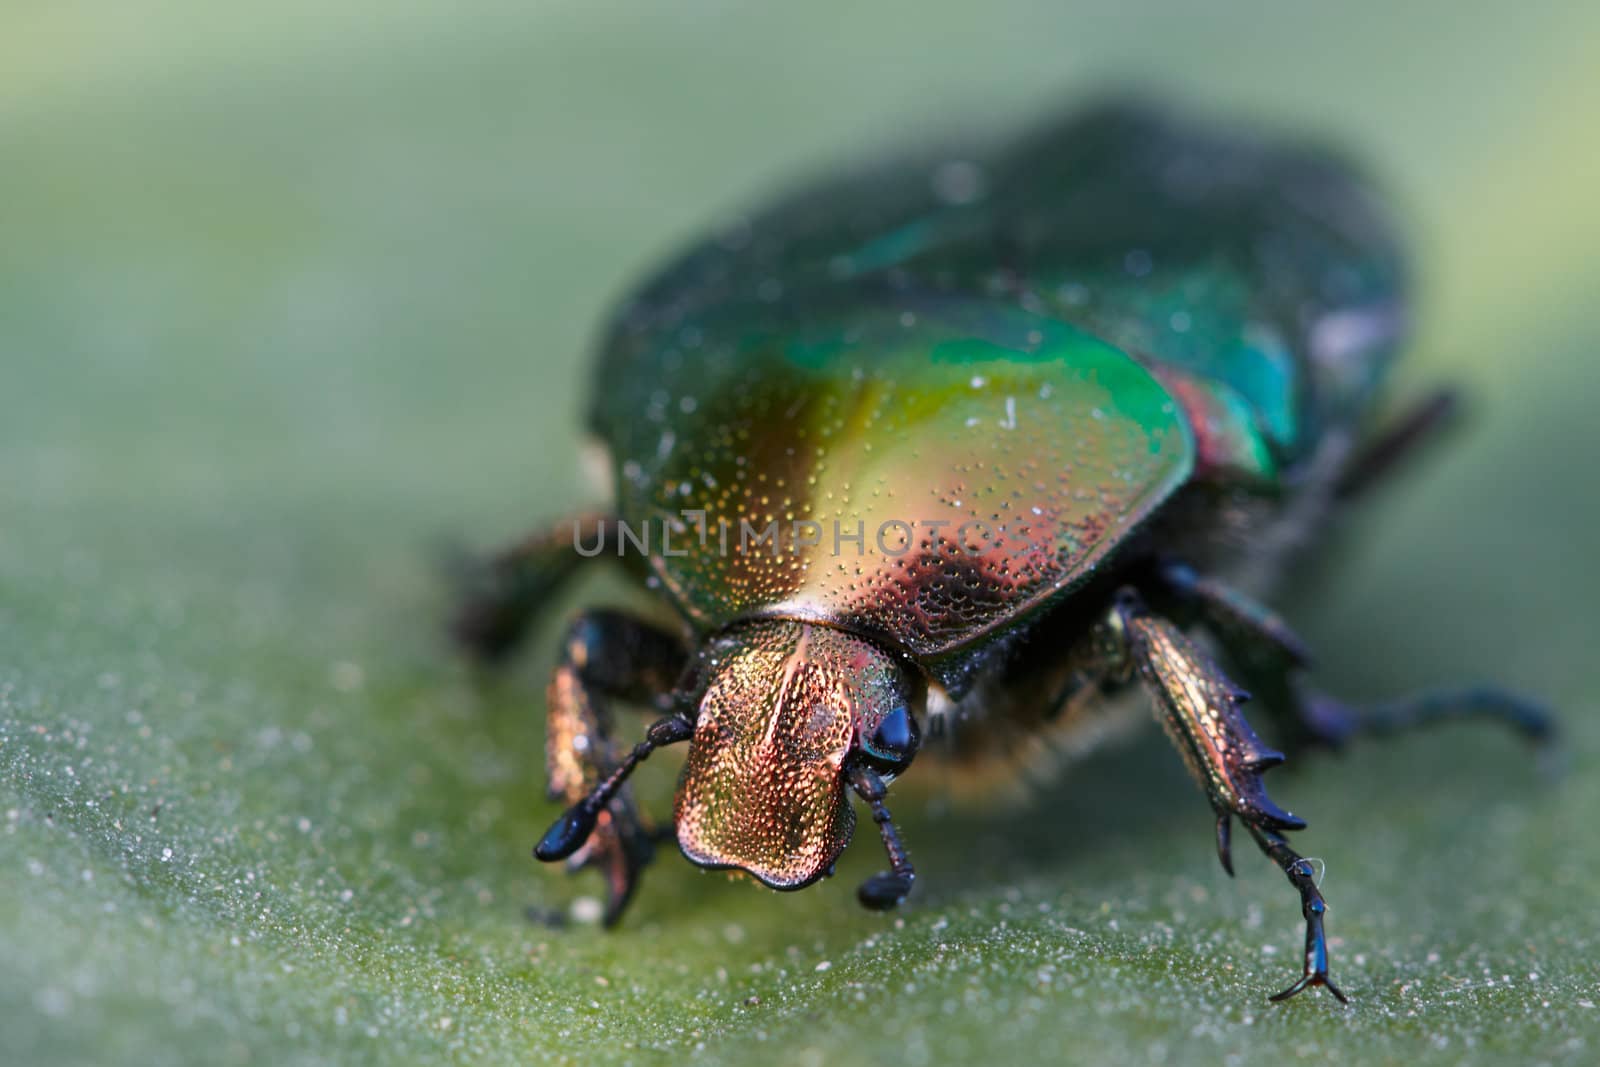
x: 500, y: 596
x: 1270, y: 657
x: 1417, y: 425
x: 1200, y: 709
x: 882, y: 891
x: 1332, y: 722
x: 1302, y: 876
x: 606, y: 655
x: 1235, y: 616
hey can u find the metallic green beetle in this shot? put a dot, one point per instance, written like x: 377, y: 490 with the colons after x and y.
x: 957, y: 448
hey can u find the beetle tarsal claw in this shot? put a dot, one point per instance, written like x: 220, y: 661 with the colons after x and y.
x: 620, y: 849
x: 1306, y: 983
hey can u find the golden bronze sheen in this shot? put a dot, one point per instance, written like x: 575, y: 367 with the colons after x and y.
x: 943, y: 456
x: 763, y: 789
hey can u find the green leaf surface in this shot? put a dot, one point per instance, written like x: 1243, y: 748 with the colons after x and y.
x: 292, y: 297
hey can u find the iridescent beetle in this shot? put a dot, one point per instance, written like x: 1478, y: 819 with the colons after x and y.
x: 967, y: 442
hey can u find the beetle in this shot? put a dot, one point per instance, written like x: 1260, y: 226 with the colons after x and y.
x: 955, y: 449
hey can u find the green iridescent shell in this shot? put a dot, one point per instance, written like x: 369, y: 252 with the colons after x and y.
x: 1035, y: 347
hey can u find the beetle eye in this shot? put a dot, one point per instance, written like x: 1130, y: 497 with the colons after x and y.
x: 894, y: 742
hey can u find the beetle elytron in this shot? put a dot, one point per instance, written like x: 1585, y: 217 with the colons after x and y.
x: 1025, y: 407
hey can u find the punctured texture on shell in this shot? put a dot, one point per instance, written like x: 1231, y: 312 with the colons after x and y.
x: 1054, y: 334
x: 762, y: 789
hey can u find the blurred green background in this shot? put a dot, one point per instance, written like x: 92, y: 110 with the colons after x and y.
x: 290, y: 295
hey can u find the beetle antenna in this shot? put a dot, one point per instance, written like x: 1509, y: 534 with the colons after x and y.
x: 882, y: 891
x: 569, y: 832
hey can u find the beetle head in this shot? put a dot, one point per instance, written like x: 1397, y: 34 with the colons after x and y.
x: 791, y: 714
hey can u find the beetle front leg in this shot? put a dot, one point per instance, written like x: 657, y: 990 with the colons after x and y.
x: 502, y: 595
x: 1200, y: 710
x: 606, y: 655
